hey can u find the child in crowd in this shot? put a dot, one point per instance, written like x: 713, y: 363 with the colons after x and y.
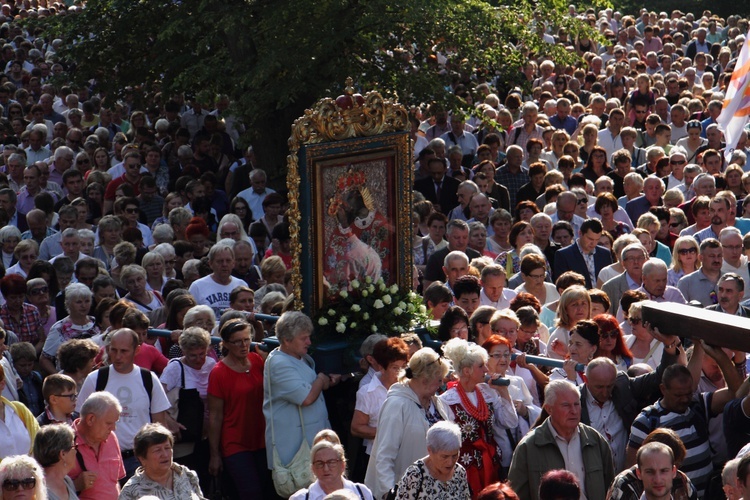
x: 60, y: 396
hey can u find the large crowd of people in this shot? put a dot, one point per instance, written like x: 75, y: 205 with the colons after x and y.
x: 545, y: 223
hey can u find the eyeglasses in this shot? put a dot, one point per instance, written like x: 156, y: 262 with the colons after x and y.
x: 240, y: 342
x: 13, y: 484
x: 609, y: 335
x: 73, y: 446
x: 72, y: 397
x: 38, y: 291
x: 320, y: 464
x: 499, y: 355
x: 505, y: 332
x: 635, y: 321
x: 456, y: 331
x: 685, y: 251
x: 171, y: 261
x: 537, y: 276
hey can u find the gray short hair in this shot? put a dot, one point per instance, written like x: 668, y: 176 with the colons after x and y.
x: 50, y: 441
x: 633, y: 247
x: 98, y: 403
x: 9, y: 232
x: 555, y: 387
x: 455, y: 255
x: 369, y: 343
x: 292, y: 323
x: 221, y: 246
x: 76, y: 291
x: 652, y: 265
x: 195, y: 311
x: 86, y: 234
x: 164, y: 249
x: 444, y: 436
x: 163, y: 233
x: 692, y: 168
x: 70, y: 232
x: 194, y: 338
x: 130, y: 270
x: 191, y: 267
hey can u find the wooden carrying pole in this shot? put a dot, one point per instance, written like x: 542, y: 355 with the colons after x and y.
x: 715, y: 328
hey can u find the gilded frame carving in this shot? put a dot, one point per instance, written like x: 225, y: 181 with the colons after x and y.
x: 351, y: 143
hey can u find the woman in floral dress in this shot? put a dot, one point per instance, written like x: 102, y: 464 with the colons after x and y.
x: 482, y: 411
x: 76, y: 325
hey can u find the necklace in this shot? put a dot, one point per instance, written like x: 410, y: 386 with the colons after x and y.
x: 479, y: 412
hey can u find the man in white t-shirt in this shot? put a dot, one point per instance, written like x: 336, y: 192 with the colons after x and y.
x: 125, y: 381
x: 213, y: 290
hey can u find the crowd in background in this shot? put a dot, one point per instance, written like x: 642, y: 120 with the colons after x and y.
x: 547, y: 222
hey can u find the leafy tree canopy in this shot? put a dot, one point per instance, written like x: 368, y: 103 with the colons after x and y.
x: 274, y: 58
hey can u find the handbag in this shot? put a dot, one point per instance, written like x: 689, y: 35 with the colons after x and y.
x: 292, y: 477
x: 393, y: 492
x: 189, y: 410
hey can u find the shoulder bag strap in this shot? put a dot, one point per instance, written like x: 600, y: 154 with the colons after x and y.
x: 651, y: 352
x: 359, y: 490
x: 182, y: 370
x: 270, y: 402
x: 102, y: 376
x: 422, y: 472
x: 130, y: 298
x: 79, y: 457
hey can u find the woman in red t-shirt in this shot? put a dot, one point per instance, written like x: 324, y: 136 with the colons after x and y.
x: 235, y: 405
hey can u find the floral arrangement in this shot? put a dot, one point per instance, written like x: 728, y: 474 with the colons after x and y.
x: 370, y: 307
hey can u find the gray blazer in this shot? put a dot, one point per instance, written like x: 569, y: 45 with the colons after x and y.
x: 614, y: 288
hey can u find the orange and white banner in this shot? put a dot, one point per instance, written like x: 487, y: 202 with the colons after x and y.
x: 736, y: 110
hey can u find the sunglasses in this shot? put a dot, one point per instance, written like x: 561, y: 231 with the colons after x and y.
x: 685, y: 251
x: 582, y: 201
x: 38, y: 291
x: 13, y: 484
x: 609, y: 335
x: 635, y: 321
x: 131, y: 210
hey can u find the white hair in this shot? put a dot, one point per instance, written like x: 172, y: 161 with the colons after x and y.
x: 444, y: 436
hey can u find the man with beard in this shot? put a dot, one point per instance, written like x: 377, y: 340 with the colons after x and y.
x: 718, y: 210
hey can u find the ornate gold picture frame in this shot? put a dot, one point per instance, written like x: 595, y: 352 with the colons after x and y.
x: 349, y: 180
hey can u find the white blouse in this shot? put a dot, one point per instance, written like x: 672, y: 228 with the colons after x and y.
x: 14, y: 437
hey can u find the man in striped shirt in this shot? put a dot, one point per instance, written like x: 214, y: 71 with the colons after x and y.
x: 687, y: 413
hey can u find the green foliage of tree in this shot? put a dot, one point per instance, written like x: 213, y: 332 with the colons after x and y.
x: 274, y: 58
